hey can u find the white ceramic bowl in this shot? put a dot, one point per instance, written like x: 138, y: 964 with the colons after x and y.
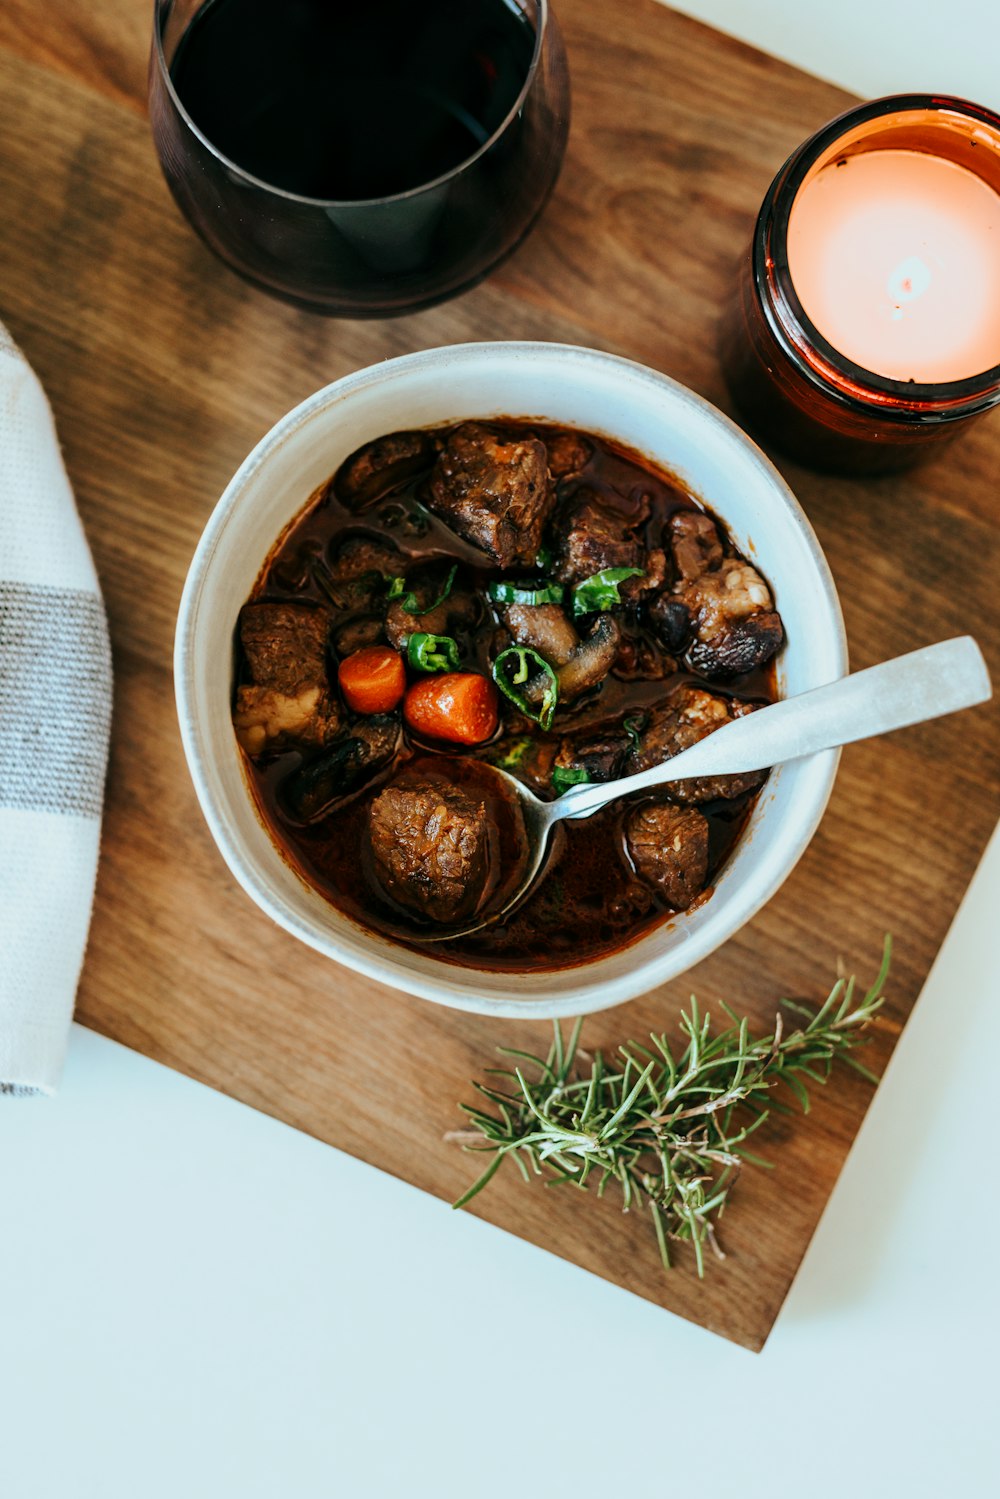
x: 577, y: 387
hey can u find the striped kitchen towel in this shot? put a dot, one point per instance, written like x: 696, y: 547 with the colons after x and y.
x: 55, y: 714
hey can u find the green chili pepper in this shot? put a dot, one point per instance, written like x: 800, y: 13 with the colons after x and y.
x: 526, y: 593
x: 513, y: 668
x: 565, y: 776
x: 431, y: 652
x: 543, y: 558
x: 410, y: 603
x: 514, y: 755
x: 634, y: 725
x: 397, y: 590
x: 598, y: 594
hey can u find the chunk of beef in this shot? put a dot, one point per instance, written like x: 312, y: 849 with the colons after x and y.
x: 310, y: 792
x: 285, y: 644
x: 263, y: 717
x: 668, y: 847
x: 720, y: 608
x: 654, y: 576
x: 596, y: 538
x: 289, y: 698
x: 687, y: 717
x: 497, y: 494
x: 543, y: 627
x: 640, y: 659
x: 735, y: 625
x: 381, y: 466
x: 569, y: 453
x: 431, y: 843
x: 695, y: 543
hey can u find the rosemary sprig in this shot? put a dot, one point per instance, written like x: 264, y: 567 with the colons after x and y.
x: 670, y: 1131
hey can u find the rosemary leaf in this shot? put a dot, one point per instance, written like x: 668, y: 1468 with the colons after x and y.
x: 669, y: 1129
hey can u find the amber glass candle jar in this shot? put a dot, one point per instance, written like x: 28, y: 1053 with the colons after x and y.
x: 866, y: 330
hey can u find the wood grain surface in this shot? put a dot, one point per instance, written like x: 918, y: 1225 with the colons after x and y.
x: 164, y: 369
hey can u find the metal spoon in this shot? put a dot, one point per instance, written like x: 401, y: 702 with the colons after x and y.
x: 925, y: 684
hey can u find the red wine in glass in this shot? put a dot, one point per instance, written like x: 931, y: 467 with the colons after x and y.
x: 365, y: 158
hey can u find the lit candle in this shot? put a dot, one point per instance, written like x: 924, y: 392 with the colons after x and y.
x: 868, y: 326
x: 895, y: 256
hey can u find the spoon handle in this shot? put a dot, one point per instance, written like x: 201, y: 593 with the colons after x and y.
x: 925, y: 684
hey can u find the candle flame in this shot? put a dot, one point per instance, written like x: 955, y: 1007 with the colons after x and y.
x: 907, y: 282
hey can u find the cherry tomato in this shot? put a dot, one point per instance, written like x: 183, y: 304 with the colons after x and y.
x: 460, y: 706
x: 372, y: 680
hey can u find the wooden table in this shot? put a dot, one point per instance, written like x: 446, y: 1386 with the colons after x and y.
x: 164, y: 369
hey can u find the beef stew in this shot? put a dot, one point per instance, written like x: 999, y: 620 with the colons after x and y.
x: 504, y: 593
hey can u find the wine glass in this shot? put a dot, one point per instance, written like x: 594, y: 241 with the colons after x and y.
x: 359, y: 161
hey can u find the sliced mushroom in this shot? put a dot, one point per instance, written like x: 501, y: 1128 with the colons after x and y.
x: 590, y: 662
x: 543, y: 627
x: 309, y: 792
x: 380, y: 466
x: 592, y: 659
x: 456, y: 610
x: 361, y: 555
x: 672, y: 621
x: 362, y: 630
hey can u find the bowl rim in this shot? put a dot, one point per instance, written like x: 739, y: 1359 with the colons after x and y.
x: 452, y: 988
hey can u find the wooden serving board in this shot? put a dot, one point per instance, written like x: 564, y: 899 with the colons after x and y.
x: 164, y: 370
